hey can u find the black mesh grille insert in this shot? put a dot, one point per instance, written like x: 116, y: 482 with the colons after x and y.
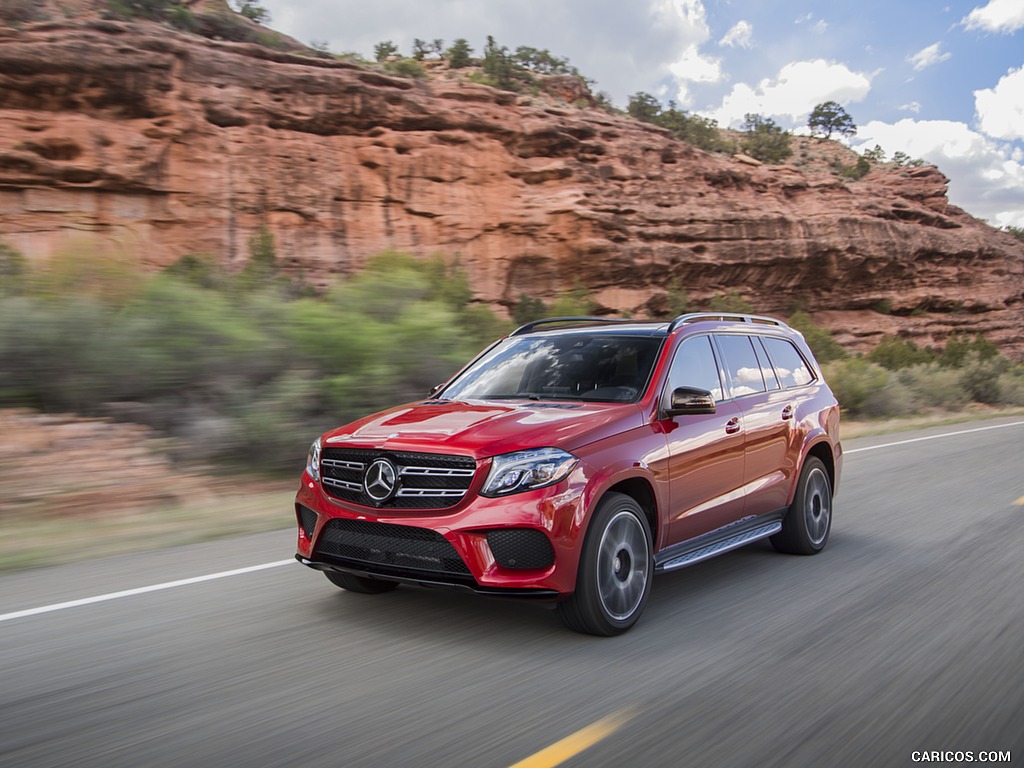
x: 521, y: 548
x: 398, y: 547
x: 307, y: 519
x: 425, y: 480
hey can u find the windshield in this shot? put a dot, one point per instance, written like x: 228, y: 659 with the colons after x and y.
x: 598, y: 367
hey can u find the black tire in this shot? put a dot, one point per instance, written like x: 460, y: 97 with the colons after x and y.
x: 616, y: 567
x: 808, y: 521
x: 360, y: 584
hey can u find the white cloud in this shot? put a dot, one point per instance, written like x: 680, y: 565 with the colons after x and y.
x: 791, y: 96
x: 687, y: 17
x: 986, y: 177
x: 926, y: 57
x: 1001, y: 109
x: 821, y: 26
x: 912, y: 106
x: 739, y: 36
x: 1005, y: 16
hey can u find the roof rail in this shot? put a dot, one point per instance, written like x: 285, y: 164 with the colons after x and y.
x: 523, y: 329
x: 735, y: 317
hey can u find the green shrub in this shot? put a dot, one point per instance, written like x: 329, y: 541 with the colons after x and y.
x: 820, y: 340
x: 13, y: 271
x: 980, y: 376
x: 895, y: 353
x: 528, y: 309
x: 730, y: 301
x: 862, y: 388
x: 406, y: 68
x: 932, y: 386
x: 765, y: 140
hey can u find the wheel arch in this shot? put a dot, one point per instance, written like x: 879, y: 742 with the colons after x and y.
x: 641, y: 491
x: 823, y: 450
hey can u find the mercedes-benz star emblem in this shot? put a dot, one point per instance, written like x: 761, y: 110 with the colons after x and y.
x: 381, y: 480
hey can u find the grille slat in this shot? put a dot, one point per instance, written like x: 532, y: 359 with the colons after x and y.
x: 390, y: 548
x: 425, y: 480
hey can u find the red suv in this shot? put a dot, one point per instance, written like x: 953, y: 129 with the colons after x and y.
x: 575, y: 458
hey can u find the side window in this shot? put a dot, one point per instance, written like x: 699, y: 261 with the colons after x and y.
x: 694, y: 366
x: 741, y: 363
x: 770, y: 379
x: 789, y: 364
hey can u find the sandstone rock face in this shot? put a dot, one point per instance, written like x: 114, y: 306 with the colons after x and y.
x: 160, y: 144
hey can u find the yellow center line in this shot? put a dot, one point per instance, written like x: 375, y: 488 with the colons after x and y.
x: 1019, y: 502
x: 572, y: 745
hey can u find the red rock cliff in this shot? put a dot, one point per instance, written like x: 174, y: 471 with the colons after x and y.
x: 161, y: 144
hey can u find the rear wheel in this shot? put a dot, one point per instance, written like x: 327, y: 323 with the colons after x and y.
x: 615, y: 570
x: 808, y: 521
x: 360, y: 584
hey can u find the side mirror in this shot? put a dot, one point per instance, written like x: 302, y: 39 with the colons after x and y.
x: 690, y: 400
x: 435, y: 389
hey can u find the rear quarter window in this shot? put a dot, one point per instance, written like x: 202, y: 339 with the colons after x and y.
x: 789, y: 364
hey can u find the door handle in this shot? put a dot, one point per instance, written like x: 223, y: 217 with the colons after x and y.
x: 787, y: 413
x: 732, y: 426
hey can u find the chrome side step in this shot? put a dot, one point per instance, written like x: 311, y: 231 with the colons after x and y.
x: 723, y: 545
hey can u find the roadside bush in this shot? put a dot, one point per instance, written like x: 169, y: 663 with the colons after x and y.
x: 824, y: 347
x: 894, y: 353
x: 866, y: 389
x: 238, y: 368
x: 932, y: 386
x: 981, y: 377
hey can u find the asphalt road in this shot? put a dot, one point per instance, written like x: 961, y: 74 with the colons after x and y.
x: 907, y: 634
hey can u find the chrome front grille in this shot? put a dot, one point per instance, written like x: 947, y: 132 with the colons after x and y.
x: 424, y: 480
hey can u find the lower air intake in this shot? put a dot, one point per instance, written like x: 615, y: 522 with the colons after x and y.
x: 521, y: 548
x: 393, y: 549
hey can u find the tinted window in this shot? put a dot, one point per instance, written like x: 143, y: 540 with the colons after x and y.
x: 741, y: 363
x: 695, y: 366
x: 767, y: 371
x: 792, y: 369
x: 579, y: 366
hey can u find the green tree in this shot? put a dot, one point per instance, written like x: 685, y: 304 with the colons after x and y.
x: 542, y: 62
x: 643, y: 106
x: 460, y: 55
x: 500, y: 68
x: 829, y: 117
x: 765, y: 140
x: 382, y: 50
x: 876, y: 155
x: 252, y: 10
x: 903, y: 160
x: 420, y: 49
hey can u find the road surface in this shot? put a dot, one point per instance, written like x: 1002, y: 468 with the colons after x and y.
x: 905, y: 635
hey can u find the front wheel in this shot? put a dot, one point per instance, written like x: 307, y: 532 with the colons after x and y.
x: 615, y: 570
x: 808, y: 521
x: 354, y: 583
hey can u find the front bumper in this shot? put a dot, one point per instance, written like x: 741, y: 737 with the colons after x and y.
x: 446, y: 548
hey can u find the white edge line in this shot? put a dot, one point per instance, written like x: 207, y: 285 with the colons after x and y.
x: 933, y: 437
x: 141, y: 590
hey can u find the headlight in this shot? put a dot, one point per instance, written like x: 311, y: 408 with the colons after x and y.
x: 313, y: 460
x: 526, y: 470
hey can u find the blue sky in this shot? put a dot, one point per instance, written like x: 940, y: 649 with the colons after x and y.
x: 943, y: 82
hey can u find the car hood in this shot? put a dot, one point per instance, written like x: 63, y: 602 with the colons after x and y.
x: 486, y: 428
